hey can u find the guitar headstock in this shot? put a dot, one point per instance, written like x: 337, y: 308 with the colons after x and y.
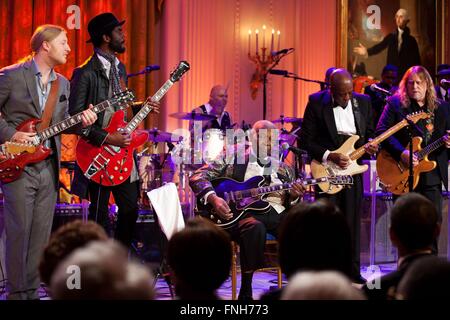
x: 416, y: 116
x: 122, y: 99
x: 181, y: 69
x: 15, y: 148
x: 344, y: 180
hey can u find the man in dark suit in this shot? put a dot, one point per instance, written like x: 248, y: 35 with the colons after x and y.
x: 388, y: 82
x: 99, y: 78
x: 414, y: 228
x: 443, y: 89
x: 331, y: 117
x: 25, y: 89
x: 417, y: 93
x: 403, y: 50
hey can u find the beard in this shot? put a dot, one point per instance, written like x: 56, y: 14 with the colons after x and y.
x: 117, y: 46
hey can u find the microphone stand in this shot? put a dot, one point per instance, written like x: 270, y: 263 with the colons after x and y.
x: 296, y: 77
x: 411, y: 127
x: 277, y: 60
x: 143, y: 71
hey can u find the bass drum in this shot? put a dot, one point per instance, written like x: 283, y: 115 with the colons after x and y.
x: 212, y: 145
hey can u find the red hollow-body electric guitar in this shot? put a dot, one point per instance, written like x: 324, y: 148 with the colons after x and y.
x: 110, y: 165
x: 22, y: 154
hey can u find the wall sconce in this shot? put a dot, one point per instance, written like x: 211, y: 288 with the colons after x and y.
x: 262, y: 61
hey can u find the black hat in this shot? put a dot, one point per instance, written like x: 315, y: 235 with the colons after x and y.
x: 443, y: 70
x: 102, y: 24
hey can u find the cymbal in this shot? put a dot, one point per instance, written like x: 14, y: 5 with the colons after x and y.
x: 156, y: 135
x: 287, y: 120
x: 193, y: 116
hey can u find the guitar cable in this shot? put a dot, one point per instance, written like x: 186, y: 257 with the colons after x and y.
x: 98, y: 199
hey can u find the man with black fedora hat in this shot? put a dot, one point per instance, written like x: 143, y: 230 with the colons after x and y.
x: 443, y: 89
x: 96, y: 80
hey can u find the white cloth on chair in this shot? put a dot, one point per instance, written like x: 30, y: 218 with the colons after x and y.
x: 166, y: 204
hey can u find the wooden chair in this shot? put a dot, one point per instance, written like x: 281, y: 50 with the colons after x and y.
x: 271, y: 255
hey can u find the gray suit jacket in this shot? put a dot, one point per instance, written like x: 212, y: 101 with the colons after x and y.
x: 19, y: 101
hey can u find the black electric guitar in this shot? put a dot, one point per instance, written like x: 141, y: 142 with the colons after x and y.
x: 249, y: 195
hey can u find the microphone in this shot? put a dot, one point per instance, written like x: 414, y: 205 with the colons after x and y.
x: 287, y: 146
x: 374, y: 87
x: 279, y: 72
x: 444, y: 82
x: 152, y: 67
x: 282, y: 51
x: 146, y: 70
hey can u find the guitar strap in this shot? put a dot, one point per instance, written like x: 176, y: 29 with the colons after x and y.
x: 129, y: 110
x: 49, y: 106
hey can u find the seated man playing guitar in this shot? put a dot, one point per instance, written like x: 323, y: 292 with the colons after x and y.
x: 416, y: 93
x: 250, y: 230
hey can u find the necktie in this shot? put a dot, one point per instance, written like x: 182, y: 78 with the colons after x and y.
x: 399, y: 40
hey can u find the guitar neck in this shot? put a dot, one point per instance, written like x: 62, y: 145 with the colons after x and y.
x: 279, y: 187
x: 65, y: 124
x: 430, y: 148
x: 147, y: 108
x: 358, y: 153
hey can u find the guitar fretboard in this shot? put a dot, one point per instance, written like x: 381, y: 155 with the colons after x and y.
x: 147, y: 108
x: 278, y: 187
x: 430, y: 148
x: 358, y: 153
x: 59, y: 127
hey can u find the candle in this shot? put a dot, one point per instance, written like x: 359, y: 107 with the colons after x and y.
x: 278, y: 33
x: 256, y: 31
x: 249, y: 40
x: 271, y: 41
x: 264, y: 36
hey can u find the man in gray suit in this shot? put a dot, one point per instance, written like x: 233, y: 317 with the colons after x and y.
x: 30, y: 200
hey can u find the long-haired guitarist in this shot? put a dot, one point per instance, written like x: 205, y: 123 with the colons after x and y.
x: 96, y: 80
x: 416, y: 93
x: 27, y: 90
x: 250, y: 231
x: 331, y: 117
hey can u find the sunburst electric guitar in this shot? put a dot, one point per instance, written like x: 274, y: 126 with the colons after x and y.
x: 394, y: 175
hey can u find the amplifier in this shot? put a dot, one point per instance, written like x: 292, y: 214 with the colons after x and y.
x: 65, y: 213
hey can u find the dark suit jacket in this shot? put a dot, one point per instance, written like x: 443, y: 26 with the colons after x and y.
x: 319, y: 132
x: 89, y: 84
x: 395, y: 145
x: 378, y: 100
x: 392, y: 279
x: 439, y: 93
x: 409, y: 52
x: 19, y: 101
